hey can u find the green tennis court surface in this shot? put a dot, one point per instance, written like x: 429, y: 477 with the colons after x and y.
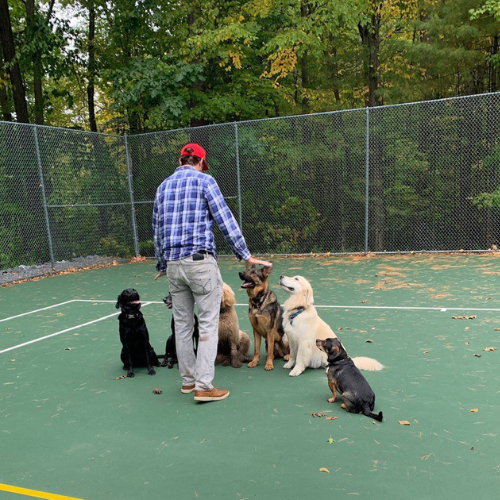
x: 69, y: 428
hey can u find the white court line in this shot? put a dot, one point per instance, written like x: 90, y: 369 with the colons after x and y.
x: 37, y: 310
x: 64, y: 331
x: 404, y: 308
x: 408, y: 308
x: 401, y: 308
x: 67, y: 302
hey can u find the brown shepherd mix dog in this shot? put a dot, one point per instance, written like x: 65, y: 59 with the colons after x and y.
x: 234, y: 344
x: 265, y: 315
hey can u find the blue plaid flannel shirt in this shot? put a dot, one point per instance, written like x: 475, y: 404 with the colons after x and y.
x: 185, y: 206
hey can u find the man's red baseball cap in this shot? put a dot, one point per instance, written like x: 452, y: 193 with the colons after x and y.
x: 193, y: 149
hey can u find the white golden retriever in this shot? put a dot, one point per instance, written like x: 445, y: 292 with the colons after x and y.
x: 303, y: 326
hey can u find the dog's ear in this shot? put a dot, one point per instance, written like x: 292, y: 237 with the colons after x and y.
x: 308, y: 296
x: 333, y: 353
x: 266, y: 271
x: 117, y: 305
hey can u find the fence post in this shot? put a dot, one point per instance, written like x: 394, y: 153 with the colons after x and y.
x: 132, y: 203
x: 238, y: 173
x: 367, y: 177
x: 44, y: 196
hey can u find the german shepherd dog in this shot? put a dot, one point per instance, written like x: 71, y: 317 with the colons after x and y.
x: 344, y: 377
x: 265, y: 315
x: 134, y: 335
x: 170, y: 356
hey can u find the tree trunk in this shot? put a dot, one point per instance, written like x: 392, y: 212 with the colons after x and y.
x: 370, y: 37
x: 4, y: 98
x: 493, y: 67
x: 91, y: 69
x: 9, y: 52
x: 31, y: 22
x: 304, y: 68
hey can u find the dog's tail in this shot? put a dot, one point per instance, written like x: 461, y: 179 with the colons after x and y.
x: 376, y: 417
x: 368, y: 364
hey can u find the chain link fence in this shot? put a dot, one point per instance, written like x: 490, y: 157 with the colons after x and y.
x: 415, y: 177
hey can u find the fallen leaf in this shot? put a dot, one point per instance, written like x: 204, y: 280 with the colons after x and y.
x: 404, y: 422
x: 477, y: 355
x: 368, y: 341
x: 120, y: 377
x: 324, y: 469
x: 497, y: 330
x: 331, y: 440
x: 318, y: 414
x: 474, y: 410
x: 332, y: 418
x: 488, y: 349
x: 157, y: 391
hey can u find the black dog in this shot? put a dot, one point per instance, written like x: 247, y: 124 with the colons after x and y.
x: 345, y: 377
x: 170, y: 357
x: 134, y: 335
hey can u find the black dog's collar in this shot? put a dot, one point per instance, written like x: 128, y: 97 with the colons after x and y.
x: 296, y: 313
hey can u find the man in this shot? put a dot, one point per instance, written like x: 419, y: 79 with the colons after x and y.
x: 186, y: 205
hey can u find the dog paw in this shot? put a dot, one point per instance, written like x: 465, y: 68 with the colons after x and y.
x: 236, y: 364
x: 151, y: 372
x: 288, y: 365
x: 269, y: 367
x: 253, y: 364
x: 295, y: 373
x: 286, y: 357
x: 131, y: 374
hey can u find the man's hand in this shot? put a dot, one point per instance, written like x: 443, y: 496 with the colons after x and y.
x: 252, y: 261
x: 160, y: 274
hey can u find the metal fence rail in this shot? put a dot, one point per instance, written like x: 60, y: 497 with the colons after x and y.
x: 414, y: 177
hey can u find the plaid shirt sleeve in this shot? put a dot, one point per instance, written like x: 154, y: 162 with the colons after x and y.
x: 226, y: 221
x: 160, y: 263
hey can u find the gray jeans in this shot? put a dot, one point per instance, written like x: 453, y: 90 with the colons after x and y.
x: 196, y: 282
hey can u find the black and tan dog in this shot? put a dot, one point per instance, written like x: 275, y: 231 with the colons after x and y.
x: 134, y: 335
x: 234, y: 344
x: 170, y: 356
x: 265, y: 315
x: 344, y: 377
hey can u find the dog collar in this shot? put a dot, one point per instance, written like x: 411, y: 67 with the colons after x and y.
x: 296, y: 313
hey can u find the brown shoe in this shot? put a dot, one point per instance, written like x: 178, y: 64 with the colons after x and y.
x: 211, y: 395
x: 187, y: 389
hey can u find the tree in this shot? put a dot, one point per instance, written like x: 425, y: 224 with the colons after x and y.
x: 12, y: 65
